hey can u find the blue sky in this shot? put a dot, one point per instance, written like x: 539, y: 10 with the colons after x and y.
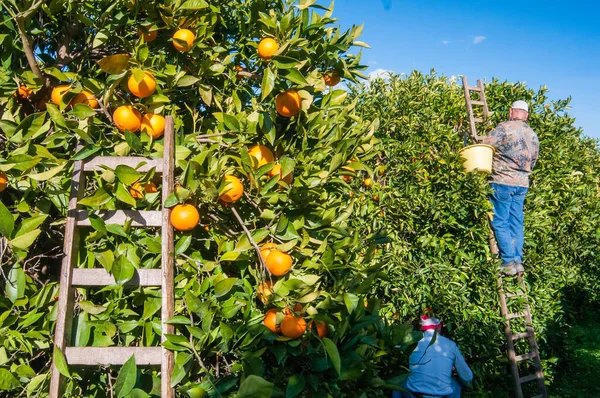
x: 538, y: 42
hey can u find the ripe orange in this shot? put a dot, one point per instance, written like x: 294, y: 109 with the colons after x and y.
x: 23, y: 92
x: 267, y: 47
x: 368, y: 182
x: 293, y: 326
x: 376, y: 198
x: 278, y: 263
x: 137, y: 191
x: 264, y: 291
x: 276, y: 171
x: 233, y: 190
x: 150, y: 188
x: 153, y: 125
x: 126, y: 117
x: 321, y: 327
x: 143, y: 89
x: 58, y: 92
x: 184, y: 217
x: 331, y: 78
x: 271, y: 320
x: 149, y: 35
x: 187, y: 40
x: 266, y: 249
x: 347, y: 178
x: 3, y: 181
x: 85, y: 98
x: 262, y: 154
x: 288, y: 103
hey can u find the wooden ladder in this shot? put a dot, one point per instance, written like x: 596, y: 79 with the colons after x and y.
x: 71, y: 276
x: 525, y: 313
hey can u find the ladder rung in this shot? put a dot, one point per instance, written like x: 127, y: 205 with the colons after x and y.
x: 477, y: 103
x: 140, y: 218
x: 477, y: 120
x: 521, y: 335
x: 99, y: 277
x: 519, y: 294
x: 524, y: 357
x: 94, y: 356
x: 472, y: 88
x: 132, y: 161
x: 515, y: 315
x: 528, y: 378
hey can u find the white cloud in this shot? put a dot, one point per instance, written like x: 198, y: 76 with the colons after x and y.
x: 479, y: 39
x: 380, y: 73
x: 372, y: 63
x: 444, y: 42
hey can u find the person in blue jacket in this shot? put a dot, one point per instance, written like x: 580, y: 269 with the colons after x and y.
x: 432, y: 363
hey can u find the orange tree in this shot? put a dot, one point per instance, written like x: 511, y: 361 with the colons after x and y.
x: 103, y: 75
x: 436, y: 216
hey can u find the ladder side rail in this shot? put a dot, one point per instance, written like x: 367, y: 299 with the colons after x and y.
x: 64, y: 315
x: 472, y: 126
x: 514, y: 367
x: 486, y: 110
x: 167, y: 258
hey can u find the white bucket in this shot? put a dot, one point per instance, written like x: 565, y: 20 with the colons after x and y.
x: 478, y: 156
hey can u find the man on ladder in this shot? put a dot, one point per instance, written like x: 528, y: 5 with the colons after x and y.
x: 517, y: 148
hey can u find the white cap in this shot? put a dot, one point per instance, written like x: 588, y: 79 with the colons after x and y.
x: 520, y: 105
x: 429, y: 323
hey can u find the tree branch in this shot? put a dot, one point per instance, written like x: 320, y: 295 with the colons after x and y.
x: 28, y: 50
x: 260, y: 256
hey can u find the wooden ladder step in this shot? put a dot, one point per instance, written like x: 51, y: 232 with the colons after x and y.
x: 518, y: 294
x: 524, y: 357
x: 99, y: 277
x: 471, y: 88
x: 528, y: 378
x: 478, y: 120
x: 521, y: 335
x: 94, y: 356
x: 515, y: 315
x: 477, y: 102
x: 132, y: 161
x: 141, y: 218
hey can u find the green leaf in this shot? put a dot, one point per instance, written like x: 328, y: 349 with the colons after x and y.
x: 183, y: 244
x: 123, y: 270
x: 35, y: 383
x: 268, y: 83
x: 114, y: 64
x: 223, y: 286
x: 83, y: 111
x: 351, y: 301
x: 7, y: 380
x: 133, y: 141
x: 55, y: 115
x: 7, y: 222
x: 31, y: 223
x: 123, y: 195
x: 99, y: 198
x: 333, y: 353
x: 15, y: 285
x: 194, y: 5
x: 91, y: 308
x: 86, y: 152
x: 295, y: 76
x: 187, y: 80
x: 295, y: 385
x: 126, y: 378
x: 283, y: 62
x: 231, y: 123
x: 46, y: 175
x: 255, y: 387
x: 106, y: 259
x: 24, y: 241
x: 61, y: 362
x: 127, y: 175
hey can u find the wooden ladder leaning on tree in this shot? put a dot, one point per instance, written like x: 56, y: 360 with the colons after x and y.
x: 71, y: 276
x: 517, y: 300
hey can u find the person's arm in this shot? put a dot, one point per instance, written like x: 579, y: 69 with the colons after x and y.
x: 494, y: 137
x: 535, y: 153
x: 462, y: 369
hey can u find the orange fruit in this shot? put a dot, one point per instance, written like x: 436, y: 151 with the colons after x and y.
x: 347, y: 178
x: 137, y: 191
x: 150, y: 188
x: 126, y: 117
x: 278, y: 263
x: 187, y: 40
x: 267, y: 47
x: 276, y: 171
x: 3, y: 181
x: 233, y: 190
x: 239, y: 69
x: 85, y: 98
x: 321, y: 327
x: 331, y: 78
x: 376, y: 198
x: 368, y: 182
x: 143, y: 89
x: 288, y: 103
x: 293, y: 326
x: 23, y: 92
x: 149, y: 35
x: 262, y: 154
x: 58, y: 92
x: 382, y: 169
x: 184, y: 217
x: 271, y: 320
x: 264, y: 290
x: 153, y: 125
x: 266, y: 249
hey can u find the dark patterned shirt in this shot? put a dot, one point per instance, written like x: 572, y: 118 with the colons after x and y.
x: 517, y: 147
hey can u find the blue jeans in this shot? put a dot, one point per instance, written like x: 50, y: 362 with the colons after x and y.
x: 507, y: 224
x: 456, y: 390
